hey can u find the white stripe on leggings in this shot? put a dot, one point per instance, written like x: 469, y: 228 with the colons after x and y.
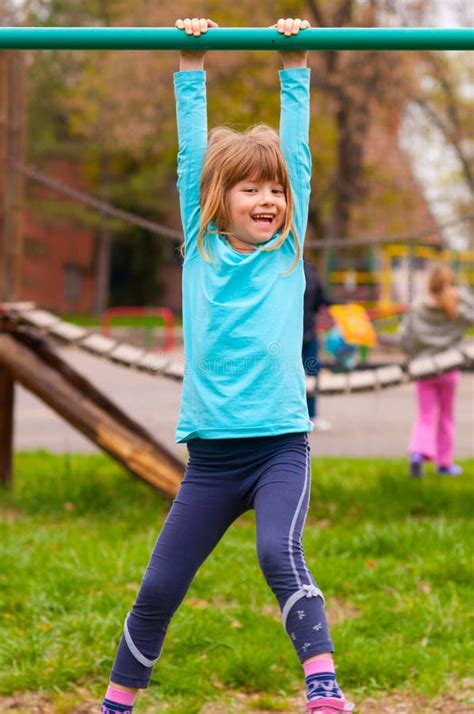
x: 309, y: 590
x: 293, y: 526
x: 134, y: 651
x: 308, y: 486
x: 306, y: 591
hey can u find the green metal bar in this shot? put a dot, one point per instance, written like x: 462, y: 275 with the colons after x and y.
x: 164, y: 38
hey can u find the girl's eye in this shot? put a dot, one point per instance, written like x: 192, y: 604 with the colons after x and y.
x: 278, y: 190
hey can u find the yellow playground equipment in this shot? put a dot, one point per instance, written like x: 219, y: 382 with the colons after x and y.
x: 395, y: 274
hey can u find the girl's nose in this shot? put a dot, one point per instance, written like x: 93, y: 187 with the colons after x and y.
x: 267, y: 197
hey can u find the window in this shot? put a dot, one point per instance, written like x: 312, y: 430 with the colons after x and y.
x: 72, y: 282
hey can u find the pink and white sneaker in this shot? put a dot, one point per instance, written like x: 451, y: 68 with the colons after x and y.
x: 330, y: 706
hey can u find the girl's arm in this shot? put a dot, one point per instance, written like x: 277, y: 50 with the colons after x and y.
x: 407, y: 334
x: 191, y: 115
x: 294, y: 123
x: 466, y: 307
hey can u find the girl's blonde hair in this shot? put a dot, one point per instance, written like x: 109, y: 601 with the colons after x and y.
x: 441, y: 277
x: 232, y: 157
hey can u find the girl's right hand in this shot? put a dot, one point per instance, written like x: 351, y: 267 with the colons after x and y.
x: 193, y: 59
x: 195, y: 26
x: 288, y: 27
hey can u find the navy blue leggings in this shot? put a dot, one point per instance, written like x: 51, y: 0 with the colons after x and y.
x: 223, y: 479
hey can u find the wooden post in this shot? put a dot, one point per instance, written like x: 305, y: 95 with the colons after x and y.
x: 11, y: 181
x: 15, y: 181
x: 7, y: 399
x: 11, y: 245
x: 3, y: 168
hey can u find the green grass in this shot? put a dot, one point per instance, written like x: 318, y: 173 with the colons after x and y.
x: 76, y: 534
x: 90, y: 322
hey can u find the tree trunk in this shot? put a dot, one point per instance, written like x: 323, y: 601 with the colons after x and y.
x: 7, y: 401
x: 11, y: 181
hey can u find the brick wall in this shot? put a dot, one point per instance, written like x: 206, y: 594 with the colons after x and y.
x: 58, y: 263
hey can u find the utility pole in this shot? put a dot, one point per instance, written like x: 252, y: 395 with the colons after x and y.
x: 104, y: 239
x: 11, y: 182
x: 3, y: 164
x: 6, y: 382
x: 11, y: 243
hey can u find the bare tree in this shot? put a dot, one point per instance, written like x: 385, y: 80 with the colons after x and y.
x: 354, y: 82
x: 449, y: 111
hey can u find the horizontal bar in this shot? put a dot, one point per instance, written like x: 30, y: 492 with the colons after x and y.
x: 165, y: 38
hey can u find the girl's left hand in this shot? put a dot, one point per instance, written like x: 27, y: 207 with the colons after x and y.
x: 288, y: 27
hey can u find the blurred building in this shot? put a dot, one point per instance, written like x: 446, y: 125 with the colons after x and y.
x: 59, y: 270
x: 58, y: 264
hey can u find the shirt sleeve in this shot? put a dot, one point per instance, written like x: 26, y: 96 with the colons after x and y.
x: 191, y: 117
x: 294, y: 139
x: 466, y: 308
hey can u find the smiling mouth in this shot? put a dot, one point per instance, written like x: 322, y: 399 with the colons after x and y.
x: 264, y: 219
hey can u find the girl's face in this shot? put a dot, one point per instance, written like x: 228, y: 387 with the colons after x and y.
x: 257, y: 210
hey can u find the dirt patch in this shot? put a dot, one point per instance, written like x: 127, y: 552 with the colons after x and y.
x: 411, y: 704
x: 10, y: 514
x: 389, y: 704
x: 462, y: 702
x: 31, y: 703
x: 459, y: 702
x: 338, y: 611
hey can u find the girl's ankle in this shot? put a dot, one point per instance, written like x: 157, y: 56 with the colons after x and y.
x: 121, y: 699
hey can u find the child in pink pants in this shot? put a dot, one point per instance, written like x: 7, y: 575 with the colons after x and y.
x: 433, y: 325
x: 433, y: 433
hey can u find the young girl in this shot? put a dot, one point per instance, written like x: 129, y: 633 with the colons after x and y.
x: 433, y: 325
x: 244, y: 202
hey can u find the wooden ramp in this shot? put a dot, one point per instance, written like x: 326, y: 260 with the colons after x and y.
x: 31, y: 360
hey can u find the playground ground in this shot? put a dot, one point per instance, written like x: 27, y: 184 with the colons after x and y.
x: 391, y: 704
x: 368, y: 425
x: 391, y: 555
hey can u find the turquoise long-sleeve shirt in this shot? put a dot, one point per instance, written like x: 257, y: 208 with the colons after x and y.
x: 242, y: 313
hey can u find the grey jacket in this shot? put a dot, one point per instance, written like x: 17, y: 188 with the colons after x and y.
x: 427, y: 330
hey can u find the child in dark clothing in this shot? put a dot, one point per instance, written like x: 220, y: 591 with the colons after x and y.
x: 315, y: 298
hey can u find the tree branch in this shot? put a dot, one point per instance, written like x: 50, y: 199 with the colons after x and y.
x: 317, y: 13
x: 450, y: 137
x: 343, y: 13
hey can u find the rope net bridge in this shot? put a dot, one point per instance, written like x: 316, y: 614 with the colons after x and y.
x: 28, y: 355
